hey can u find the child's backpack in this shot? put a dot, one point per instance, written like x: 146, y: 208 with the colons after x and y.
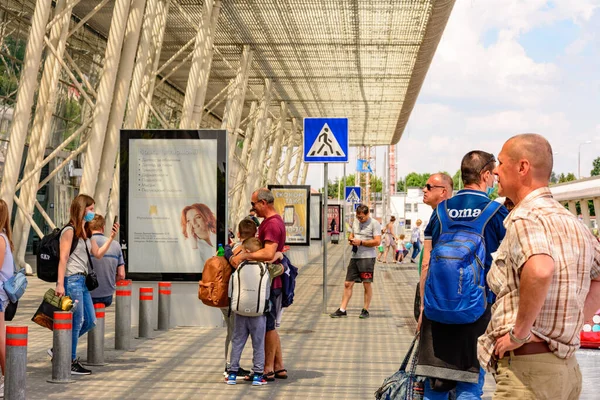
x: 213, y: 287
x: 455, y: 288
x: 48, y: 255
x: 249, y: 288
x: 288, y: 282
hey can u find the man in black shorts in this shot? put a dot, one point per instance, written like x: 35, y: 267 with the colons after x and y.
x: 365, y: 236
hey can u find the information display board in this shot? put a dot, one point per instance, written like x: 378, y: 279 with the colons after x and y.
x: 292, y: 202
x: 316, y: 216
x: 172, y: 201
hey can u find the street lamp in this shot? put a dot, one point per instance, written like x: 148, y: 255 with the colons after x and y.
x: 579, y: 158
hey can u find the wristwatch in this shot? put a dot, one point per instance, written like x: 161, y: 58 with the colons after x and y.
x: 515, y: 339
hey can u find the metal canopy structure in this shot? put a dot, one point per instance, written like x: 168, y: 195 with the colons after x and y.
x: 365, y: 60
x: 75, y: 72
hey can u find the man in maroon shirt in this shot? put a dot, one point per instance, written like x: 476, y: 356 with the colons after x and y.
x: 272, y: 233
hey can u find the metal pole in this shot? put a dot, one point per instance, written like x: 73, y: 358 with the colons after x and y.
x: 61, y: 346
x: 298, y: 160
x: 342, y: 221
x: 243, y: 171
x: 146, y: 301
x: 164, y: 306
x: 118, y: 106
x: 304, y: 173
x: 262, y: 158
x: 22, y: 112
x: 289, y: 151
x: 324, y: 214
x: 259, y: 136
x: 194, y: 75
x: 95, y: 349
x: 105, y: 96
x: 276, y: 148
x: 16, y: 363
x: 123, y: 315
x: 40, y: 131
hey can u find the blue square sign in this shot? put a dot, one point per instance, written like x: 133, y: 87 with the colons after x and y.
x: 326, y: 140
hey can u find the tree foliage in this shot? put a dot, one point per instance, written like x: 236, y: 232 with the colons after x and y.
x: 596, y: 167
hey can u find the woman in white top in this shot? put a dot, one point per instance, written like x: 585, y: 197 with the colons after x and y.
x: 6, y: 260
x: 199, y: 227
x: 73, y: 269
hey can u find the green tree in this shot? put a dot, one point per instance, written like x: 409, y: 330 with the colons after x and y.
x: 553, y: 178
x: 400, y: 186
x: 415, y: 179
x: 456, y: 180
x: 376, y: 184
x: 596, y: 170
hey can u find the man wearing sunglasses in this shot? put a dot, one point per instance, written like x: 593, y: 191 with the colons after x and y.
x: 448, y: 351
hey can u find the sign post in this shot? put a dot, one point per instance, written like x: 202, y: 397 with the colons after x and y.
x: 325, y: 140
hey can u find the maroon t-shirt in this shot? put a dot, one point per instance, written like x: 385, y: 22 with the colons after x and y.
x: 272, y: 229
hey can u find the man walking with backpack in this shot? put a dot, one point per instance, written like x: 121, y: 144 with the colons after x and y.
x: 460, y: 237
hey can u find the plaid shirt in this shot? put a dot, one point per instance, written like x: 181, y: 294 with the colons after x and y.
x: 541, y: 225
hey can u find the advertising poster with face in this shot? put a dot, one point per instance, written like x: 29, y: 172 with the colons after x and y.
x: 333, y: 218
x: 292, y: 202
x: 316, y: 217
x: 173, y: 204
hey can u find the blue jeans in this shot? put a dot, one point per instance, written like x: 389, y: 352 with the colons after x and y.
x: 84, y: 316
x: 464, y: 390
x: 416, y: 249
x: 107, y: 301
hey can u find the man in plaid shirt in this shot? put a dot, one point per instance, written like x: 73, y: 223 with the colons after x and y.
x: 546, y: 276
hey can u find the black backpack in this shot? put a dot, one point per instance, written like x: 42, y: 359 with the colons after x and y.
x: 48, y: 255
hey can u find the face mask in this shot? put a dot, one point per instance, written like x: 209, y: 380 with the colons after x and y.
x: 490, y: 190
x: 89, y: 216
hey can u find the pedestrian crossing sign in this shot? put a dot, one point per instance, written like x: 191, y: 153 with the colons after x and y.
x: 353, y: 194
x: 325, y: 140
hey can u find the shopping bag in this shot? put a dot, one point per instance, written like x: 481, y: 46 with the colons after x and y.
x: 404, y: 385
x: 44, y: 316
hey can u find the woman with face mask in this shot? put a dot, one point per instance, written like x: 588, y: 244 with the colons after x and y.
x: 199, y: 227
x: 75, y: 251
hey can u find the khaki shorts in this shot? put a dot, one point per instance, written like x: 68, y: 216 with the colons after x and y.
x: 537, y: 377
x: 360, y: 270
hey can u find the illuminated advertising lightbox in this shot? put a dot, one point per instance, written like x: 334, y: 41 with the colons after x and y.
x: 292, y: 202
x: 173, y: 201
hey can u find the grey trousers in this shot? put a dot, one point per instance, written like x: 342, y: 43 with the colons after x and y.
x: 255, y: 327
x: 229, y: 318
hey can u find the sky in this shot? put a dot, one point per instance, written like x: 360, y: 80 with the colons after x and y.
x: 504, y: 67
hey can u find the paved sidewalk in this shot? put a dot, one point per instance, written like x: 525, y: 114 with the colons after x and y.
x: 326, y: 358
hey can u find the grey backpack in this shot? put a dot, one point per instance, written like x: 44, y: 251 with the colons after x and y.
x: 250, y: 287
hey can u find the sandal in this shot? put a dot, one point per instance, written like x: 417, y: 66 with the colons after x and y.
x: 270, y: 376
x: 278, y: 374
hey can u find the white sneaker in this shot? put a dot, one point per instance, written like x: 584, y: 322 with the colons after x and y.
x: 2, y: 387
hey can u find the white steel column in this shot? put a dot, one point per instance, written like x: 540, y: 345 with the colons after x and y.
x: 143, y: 52
x: 105, y: 96
x: 40, y: 130
x: 22, y: 113
x: 119, y: 103
x: 262, y: 158
x: 242, y: 172
x: 158, y: 34
x: 305, y: 173
x: 585, y: 212
x: 235, y: 103
x: 572, y: 207
x: 197, y: 59
x: 299, y: 158
x: 277, y: 143
x: 259, y: 136
x: 289, y: 151
x: 597, y: 211
x: 207, y: 55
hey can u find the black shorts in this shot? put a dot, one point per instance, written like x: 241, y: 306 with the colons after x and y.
x: 360, y: 270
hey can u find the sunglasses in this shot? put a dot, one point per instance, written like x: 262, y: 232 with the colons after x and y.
x: 429, y: 187
x: 491, y: 160
x: 253, y: 203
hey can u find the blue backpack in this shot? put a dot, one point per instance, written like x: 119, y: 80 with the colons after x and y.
x: 455, y: 287
x: 288, y: 282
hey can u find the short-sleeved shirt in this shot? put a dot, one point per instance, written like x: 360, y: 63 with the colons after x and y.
x: 541, y: 225
x: 272, y: 229
x: 466, y: 205
x: 78, y: 260
x: 106, y: 267
x: 366, y: 231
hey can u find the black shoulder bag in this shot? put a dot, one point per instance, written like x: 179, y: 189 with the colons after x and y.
x: 91, y: 279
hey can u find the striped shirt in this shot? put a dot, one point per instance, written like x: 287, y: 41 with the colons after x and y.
x: 540, y: 225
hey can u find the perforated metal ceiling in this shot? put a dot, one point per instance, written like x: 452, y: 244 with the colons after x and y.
x: 365, y: 60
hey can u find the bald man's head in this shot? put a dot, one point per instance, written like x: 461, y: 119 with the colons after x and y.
x: 535, y: 149
x: 445, y: 180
